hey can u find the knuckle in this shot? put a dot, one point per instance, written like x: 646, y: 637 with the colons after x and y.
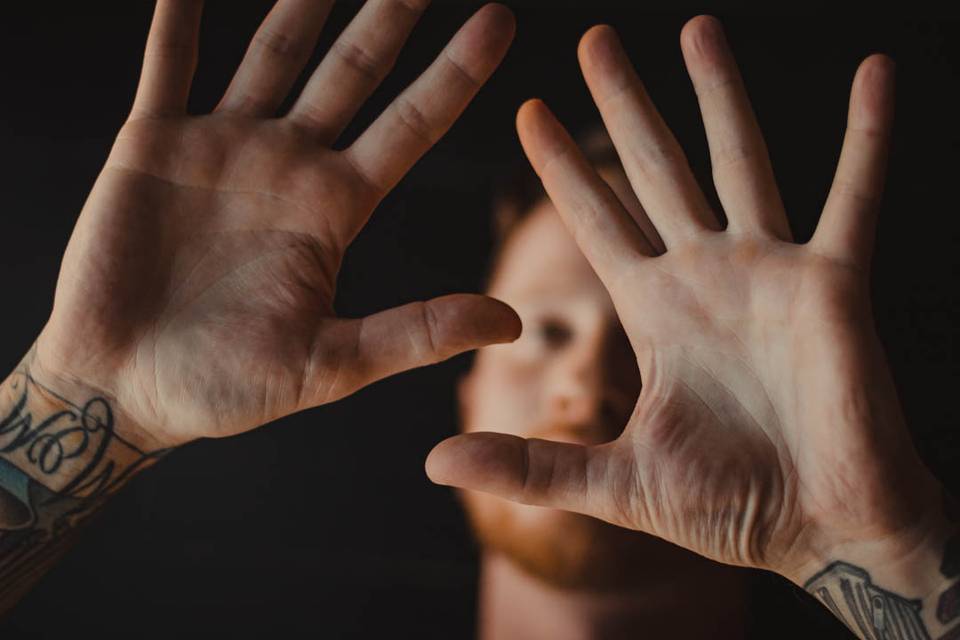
x: 360, y: 59
x: 733, y: 154
x: 873, y: 133
x: 848, y: 189
x: 413, y: 118
x: 431, y: 330
x: 412, y: 6
x: 280, y: 44
x: 461, y: 73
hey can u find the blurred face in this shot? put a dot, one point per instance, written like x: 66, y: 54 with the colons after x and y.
x: 572, y: 376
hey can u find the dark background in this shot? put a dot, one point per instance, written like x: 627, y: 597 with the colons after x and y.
x: 325, y: 522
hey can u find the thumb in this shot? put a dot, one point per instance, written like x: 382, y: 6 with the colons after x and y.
x: 423, y: 333
x: 539, y: 472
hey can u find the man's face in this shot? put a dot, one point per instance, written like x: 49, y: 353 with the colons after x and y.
x: 572, y: 376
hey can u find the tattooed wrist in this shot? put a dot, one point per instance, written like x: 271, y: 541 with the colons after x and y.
x: 918, y: 600
x: 61, y: 455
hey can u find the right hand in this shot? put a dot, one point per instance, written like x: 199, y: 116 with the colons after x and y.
x: 197, y: 289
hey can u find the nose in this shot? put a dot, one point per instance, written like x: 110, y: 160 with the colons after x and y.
x: 591, y: 388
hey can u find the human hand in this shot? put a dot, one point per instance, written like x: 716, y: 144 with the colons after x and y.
x: 768, y: 431
x: 196, y: 292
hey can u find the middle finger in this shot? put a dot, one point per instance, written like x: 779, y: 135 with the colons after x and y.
x: 652, y: 157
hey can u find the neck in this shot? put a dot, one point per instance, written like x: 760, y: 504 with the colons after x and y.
x: 514, y: 606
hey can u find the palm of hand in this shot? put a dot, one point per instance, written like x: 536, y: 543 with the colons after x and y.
x: 222, y: 267
x: 200, y: 278
x: 750, y: 434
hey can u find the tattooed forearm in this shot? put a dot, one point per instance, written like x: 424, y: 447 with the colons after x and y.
x: 59, y: 460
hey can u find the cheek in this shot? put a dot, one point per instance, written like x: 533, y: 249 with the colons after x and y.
x: 504, y: 394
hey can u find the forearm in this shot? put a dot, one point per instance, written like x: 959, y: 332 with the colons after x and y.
x: 880, y: 595
x: 63, y: 452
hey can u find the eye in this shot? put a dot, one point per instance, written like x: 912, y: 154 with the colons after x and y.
x: 554, y: 333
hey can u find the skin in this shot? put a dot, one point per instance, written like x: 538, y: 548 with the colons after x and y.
x: 202, y: 270
x: 768, y: 432
x: 570, y: 377
x: 195, y: 298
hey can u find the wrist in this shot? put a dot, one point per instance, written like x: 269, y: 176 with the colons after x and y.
x: 61, y: 382
x: 68, y: 437
x: 908, y: 577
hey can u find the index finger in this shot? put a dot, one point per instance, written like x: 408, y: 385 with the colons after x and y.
x: 428, y: 108
x: 606, y: 233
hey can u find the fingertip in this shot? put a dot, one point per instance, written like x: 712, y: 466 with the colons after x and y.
x: 592, y: 36
x: 527, y: 115
x: 500, y: 22
x: 879, y: 70
x: 482, y: 43
x: 471, y: 321
x: 496, y: 322
x: 541, y: 134
x: 480, y: 461
x: 600, y: 47
x: 502, y: 16
x: 703, y: 41
x: 528, y: 112
x: 882, y: 60
x: 873, y: 94
x: 436, y: 464
x: 509, y: 320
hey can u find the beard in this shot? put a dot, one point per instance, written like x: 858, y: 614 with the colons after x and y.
x: 575, y: 552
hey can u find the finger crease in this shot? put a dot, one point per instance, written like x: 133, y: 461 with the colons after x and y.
x: 414, y: 119
x: 461, y: 71
x: 280, y: 44
x: 430, y: 328
x: 359, y: 59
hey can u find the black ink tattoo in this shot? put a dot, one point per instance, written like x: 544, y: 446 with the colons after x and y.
x: 55, y: 470
x: 878, y: 614
x: 948, y: 607
x: 875, y: 613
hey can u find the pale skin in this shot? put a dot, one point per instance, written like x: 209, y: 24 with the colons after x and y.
x: 202, y: 270
x: 195, y: 297
x: 768, y: 432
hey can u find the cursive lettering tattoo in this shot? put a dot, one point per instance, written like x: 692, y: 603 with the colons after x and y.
x: 59, y: 461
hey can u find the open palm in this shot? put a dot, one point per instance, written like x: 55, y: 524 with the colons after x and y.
x: 197, y: 289
x: 768, y: 430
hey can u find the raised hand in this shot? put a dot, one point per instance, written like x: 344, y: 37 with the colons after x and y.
x: 768, y: 431
x: 196, y: 292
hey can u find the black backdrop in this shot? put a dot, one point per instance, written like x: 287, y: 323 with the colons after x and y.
x: 325, y: 521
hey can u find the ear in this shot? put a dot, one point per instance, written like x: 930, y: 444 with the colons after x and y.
x: 465, y: 394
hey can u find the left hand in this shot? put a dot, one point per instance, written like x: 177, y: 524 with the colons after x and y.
x: 768, y: 431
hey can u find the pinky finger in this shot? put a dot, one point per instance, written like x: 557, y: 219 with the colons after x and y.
x: 848, y: 224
